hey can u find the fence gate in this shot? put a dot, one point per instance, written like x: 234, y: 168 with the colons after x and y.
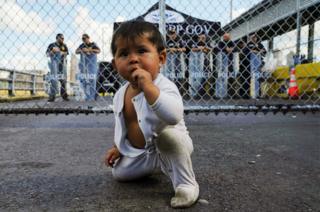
x: 224, y: 56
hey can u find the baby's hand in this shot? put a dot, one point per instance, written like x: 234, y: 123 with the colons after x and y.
x: 111, y: 156
x: 141, y: 78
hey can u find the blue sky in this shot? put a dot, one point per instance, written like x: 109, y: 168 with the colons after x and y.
x: 28, y: 26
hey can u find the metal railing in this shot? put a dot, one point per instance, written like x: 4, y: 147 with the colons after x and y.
x: 24, y: 85
x: 12, y: 81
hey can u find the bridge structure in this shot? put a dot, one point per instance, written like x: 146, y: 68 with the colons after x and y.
x: 271, y: 18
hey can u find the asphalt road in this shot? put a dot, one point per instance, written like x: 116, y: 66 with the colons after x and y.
x: 242, y: 163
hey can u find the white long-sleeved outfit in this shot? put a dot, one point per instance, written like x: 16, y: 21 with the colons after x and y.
x: 168, y: 143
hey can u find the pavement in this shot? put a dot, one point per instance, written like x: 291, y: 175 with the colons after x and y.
x: 242, y: 163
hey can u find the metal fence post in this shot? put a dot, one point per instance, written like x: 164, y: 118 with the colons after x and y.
x: 162, y: 21
x: 11, y: 83
x: 33, y: 79
x: 298, y: 28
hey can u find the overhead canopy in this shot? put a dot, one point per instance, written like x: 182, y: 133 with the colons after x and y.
x: 185, y: 25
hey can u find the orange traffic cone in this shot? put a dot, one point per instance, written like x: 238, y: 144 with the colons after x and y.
x: 293, y: 90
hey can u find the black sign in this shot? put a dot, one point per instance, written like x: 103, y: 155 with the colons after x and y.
x: 183, y: 24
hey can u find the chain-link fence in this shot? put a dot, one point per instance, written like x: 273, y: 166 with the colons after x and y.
x: 224, y: 56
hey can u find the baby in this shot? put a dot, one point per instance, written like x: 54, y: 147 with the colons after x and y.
x: 150, y: 131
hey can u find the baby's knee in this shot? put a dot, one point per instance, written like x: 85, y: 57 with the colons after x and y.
x: 171, y: 141
x: 120, y: 174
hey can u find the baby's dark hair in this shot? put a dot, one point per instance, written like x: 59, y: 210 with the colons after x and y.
x: 132, y: 29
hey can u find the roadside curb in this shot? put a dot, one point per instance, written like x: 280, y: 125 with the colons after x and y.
x: 16, y: 99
